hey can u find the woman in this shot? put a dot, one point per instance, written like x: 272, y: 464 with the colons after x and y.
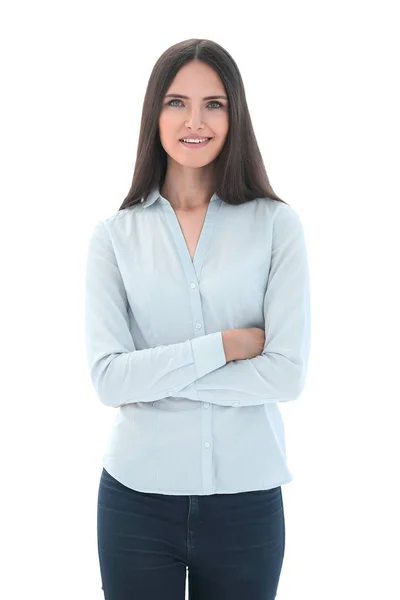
x: 197, y: 326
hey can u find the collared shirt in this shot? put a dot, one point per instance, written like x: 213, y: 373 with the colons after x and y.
x: 187, y: 422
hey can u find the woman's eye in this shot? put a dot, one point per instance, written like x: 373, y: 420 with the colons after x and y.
x: 213, y: 102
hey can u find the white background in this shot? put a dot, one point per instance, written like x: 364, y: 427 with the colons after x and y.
x: 321, y: 81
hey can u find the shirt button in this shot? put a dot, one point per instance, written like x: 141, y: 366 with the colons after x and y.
x: 192, y: 285
x: 207, y: 444
x: 198, y: 325
x: 236, y: 403
x: 206, y: 404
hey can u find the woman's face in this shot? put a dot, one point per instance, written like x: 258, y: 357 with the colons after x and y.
x: 194, y: 116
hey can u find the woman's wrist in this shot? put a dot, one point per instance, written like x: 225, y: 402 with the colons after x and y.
x: 229, y: 344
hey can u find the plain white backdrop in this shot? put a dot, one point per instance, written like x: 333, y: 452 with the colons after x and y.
x: 321, y: 81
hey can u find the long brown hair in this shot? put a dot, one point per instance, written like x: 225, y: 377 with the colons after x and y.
x: 240, y: 172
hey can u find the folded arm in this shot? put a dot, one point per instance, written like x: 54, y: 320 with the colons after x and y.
x: 279, y: 373
x: 120, y: 373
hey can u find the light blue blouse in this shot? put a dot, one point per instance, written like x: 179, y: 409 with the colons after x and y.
x: 188, y: 422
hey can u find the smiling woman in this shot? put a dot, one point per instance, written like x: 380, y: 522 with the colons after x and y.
x: 195, y: 91
x: 198, y: 118
x: 197, y: 327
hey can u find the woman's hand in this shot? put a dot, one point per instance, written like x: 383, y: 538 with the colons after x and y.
x: 243, y: 343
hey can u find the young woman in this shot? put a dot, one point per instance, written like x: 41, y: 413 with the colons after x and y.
x: 197, y: 326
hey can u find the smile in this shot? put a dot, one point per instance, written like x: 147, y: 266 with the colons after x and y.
x: 195, y: 144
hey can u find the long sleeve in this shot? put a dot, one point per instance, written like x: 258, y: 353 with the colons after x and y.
x: 121, y: 374
x: 279, y: 373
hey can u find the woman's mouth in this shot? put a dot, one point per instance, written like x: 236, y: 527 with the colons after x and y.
x: 195, y: 145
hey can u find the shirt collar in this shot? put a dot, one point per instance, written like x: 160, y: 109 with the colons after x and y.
x: 155, y: 195
x: 151, y: 198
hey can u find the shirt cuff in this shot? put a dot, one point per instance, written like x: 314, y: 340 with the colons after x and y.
x: 208, y: 352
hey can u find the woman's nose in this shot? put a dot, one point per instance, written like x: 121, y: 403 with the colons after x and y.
x: 194, y: 119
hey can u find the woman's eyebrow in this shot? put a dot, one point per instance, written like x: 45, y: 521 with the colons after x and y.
x: 187, y: 97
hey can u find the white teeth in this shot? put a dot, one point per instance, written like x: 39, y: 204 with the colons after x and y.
x: 191, y: 141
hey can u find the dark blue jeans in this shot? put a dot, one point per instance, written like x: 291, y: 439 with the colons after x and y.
x: 232, y: 545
